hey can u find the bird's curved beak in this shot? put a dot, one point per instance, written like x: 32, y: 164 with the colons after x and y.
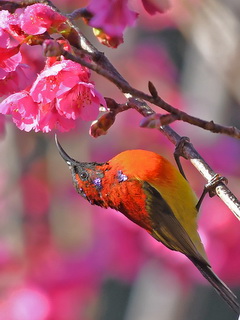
x: 70, y: 161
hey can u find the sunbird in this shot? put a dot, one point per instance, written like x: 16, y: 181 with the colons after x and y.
x: 151, y: 192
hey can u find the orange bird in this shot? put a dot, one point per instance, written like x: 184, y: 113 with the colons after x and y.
x: 151, y: 192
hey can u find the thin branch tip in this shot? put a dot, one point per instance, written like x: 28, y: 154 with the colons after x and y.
x: 152, y: 89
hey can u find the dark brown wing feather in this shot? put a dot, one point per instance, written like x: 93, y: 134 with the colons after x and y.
x: 166, y: 227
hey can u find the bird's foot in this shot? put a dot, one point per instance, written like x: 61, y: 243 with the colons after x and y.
x: 179, y: 152
x: 210, y: 188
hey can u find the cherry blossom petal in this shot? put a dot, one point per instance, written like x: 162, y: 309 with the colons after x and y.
x: 4, y: 38
x: 5, y: 18
x: 22, y: 108
x: 15, y: 81
x: 55, y: 80
x: 38, y: 17
x: 111, y: 16
x: 82, y: 101
x: 51, y: 120
x: 10, y: 58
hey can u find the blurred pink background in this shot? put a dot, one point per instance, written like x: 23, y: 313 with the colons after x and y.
x: 63, y: 259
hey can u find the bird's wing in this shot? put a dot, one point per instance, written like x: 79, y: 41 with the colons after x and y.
x: 166, y: 228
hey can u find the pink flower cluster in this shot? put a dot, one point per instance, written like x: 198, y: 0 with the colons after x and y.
x: 60, y: 94
x: 13, y: 76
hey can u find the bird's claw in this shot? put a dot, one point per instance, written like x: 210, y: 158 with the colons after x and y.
x: 210, y: 188
x: 179, y: 152
x: 213, y: 183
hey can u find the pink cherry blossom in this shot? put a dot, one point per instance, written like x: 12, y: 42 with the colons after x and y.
x: 56, y: 80
x: 10, y: 24
x: 111, y: 16
x: 61, y: 94
x: 10, y: 58
x: 81, y: 101
x: 14, y: 76
x: 16, y: 80
x: 22, y: 108
x: 49, y: 119
x: 38, y: 18
x: 67, y: 85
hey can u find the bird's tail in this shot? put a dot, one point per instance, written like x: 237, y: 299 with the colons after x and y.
x: 220, y: 286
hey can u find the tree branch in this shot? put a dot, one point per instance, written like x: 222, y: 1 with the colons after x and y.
x: 156, y: 100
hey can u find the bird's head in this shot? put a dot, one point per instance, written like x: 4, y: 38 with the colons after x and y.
x: 87, y: 176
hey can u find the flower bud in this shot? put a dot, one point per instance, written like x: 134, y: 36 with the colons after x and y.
x: 101, y: 126
x: 105, y: 39
x: 52, y: 48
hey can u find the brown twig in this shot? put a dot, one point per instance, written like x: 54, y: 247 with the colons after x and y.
x: 156, y: 100
x: 80, y: 13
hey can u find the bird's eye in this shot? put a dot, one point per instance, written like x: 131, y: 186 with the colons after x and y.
x: 83, y: 176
